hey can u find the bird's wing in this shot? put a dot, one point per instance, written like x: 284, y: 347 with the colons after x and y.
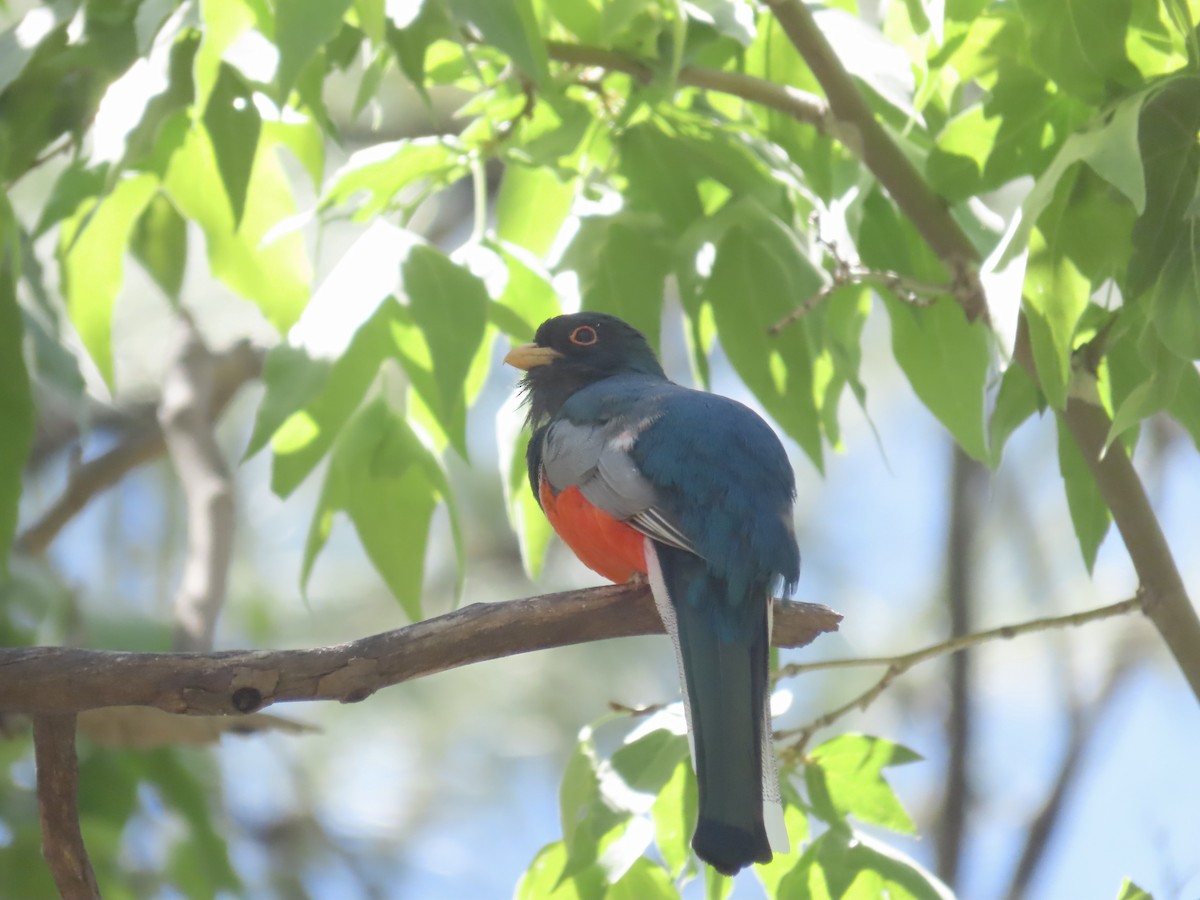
x: 595, y: 457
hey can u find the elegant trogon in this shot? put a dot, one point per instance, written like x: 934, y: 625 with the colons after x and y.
x: 694, y: 491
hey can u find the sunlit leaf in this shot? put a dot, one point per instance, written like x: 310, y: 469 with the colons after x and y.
x: 383, y: 174
x: 379, y: 475
x: 1130, y: 891
x: 674, y: 813
x: 531, y: 207
x: 448, y: 308
x: 274, y: 275
x: 840, y: 864
x: 91, y: 253
x: 845, y: 778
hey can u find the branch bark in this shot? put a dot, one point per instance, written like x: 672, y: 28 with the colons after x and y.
x: 57, y: 787
x: 186, y: 418
x: 42, y: 680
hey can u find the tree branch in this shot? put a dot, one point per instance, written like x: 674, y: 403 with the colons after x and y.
x: 898, y: 665
x: 186, y: 418
x: 43, y: 680
x: 800, y: 105
x: 1166, y: 599
x: 234, y: 367
x: 57, y: 784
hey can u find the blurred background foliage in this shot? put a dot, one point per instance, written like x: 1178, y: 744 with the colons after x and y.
x: 382, y: 195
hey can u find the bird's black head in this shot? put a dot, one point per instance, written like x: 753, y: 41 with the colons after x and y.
x: 571, y: 352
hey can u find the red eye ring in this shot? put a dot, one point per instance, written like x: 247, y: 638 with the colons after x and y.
x: 584, y: 336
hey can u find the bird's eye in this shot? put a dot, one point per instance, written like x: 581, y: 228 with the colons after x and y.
x: 583, y: 336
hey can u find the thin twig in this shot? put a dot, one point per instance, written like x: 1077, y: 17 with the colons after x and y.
x: 57, y: 786
x: 235, y: 367
x: 39, y: 680
x: 898, y: 665
x: 186, y: 418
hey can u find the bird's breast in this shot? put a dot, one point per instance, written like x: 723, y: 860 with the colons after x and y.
x: 604, y: 544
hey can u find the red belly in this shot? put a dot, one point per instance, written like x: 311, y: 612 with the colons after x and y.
x: 603, y: 544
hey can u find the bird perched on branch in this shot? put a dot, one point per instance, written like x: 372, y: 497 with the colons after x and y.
x: 640, y: 476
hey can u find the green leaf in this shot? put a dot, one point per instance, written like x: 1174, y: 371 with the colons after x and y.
x: 1055, y: 294
x: 648, y: 762
x: 1110, y: 147
x: 622, y: 262
x: 1081, y: 45
x: 772, y: 874
x: 588, y: 821
x: 1089, y: 512
x: 643, y: 881
x: 674, y: 814
x: 543, y: 879
x: 1016, y: 131
x: 302, y: 27
x: 309, y: 400
x: 223, y: 22
x: 583, y: 18
x: 1164, y: 237
x: 513, y: 28
x: 1016, y: 401
x: 1175, y: 296
x: 75, y: 185
x: 1185, y: 408
x: 16, y: 402
x: 380, y: 476
x: 411, y: 39
x: 1156, y: 393
x: 531, y: 207
x: 759, y: 274
x: 448, y: 307
x: 91, y: 251
x: 233, y: 126
x: 716, y: 885
x: 274, y: 275
x: 159, y: 243
x: 840, y: 864
x: 946, y: 360
x: 650, y: 161
x: 1130, y: 891
x: 527, y: 293
x: 398, y: 173
x: 845, y: 777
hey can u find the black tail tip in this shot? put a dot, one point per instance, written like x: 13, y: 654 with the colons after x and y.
x: 730, y: 848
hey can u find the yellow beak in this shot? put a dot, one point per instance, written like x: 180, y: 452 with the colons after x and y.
x: 528, y: 356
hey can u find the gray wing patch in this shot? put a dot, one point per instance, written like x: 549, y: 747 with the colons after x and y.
x: 595, y: 458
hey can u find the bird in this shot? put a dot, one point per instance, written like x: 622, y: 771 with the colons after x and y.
x: 646, y: 479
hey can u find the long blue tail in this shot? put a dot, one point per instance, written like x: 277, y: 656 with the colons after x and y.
x: 723, y: 654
